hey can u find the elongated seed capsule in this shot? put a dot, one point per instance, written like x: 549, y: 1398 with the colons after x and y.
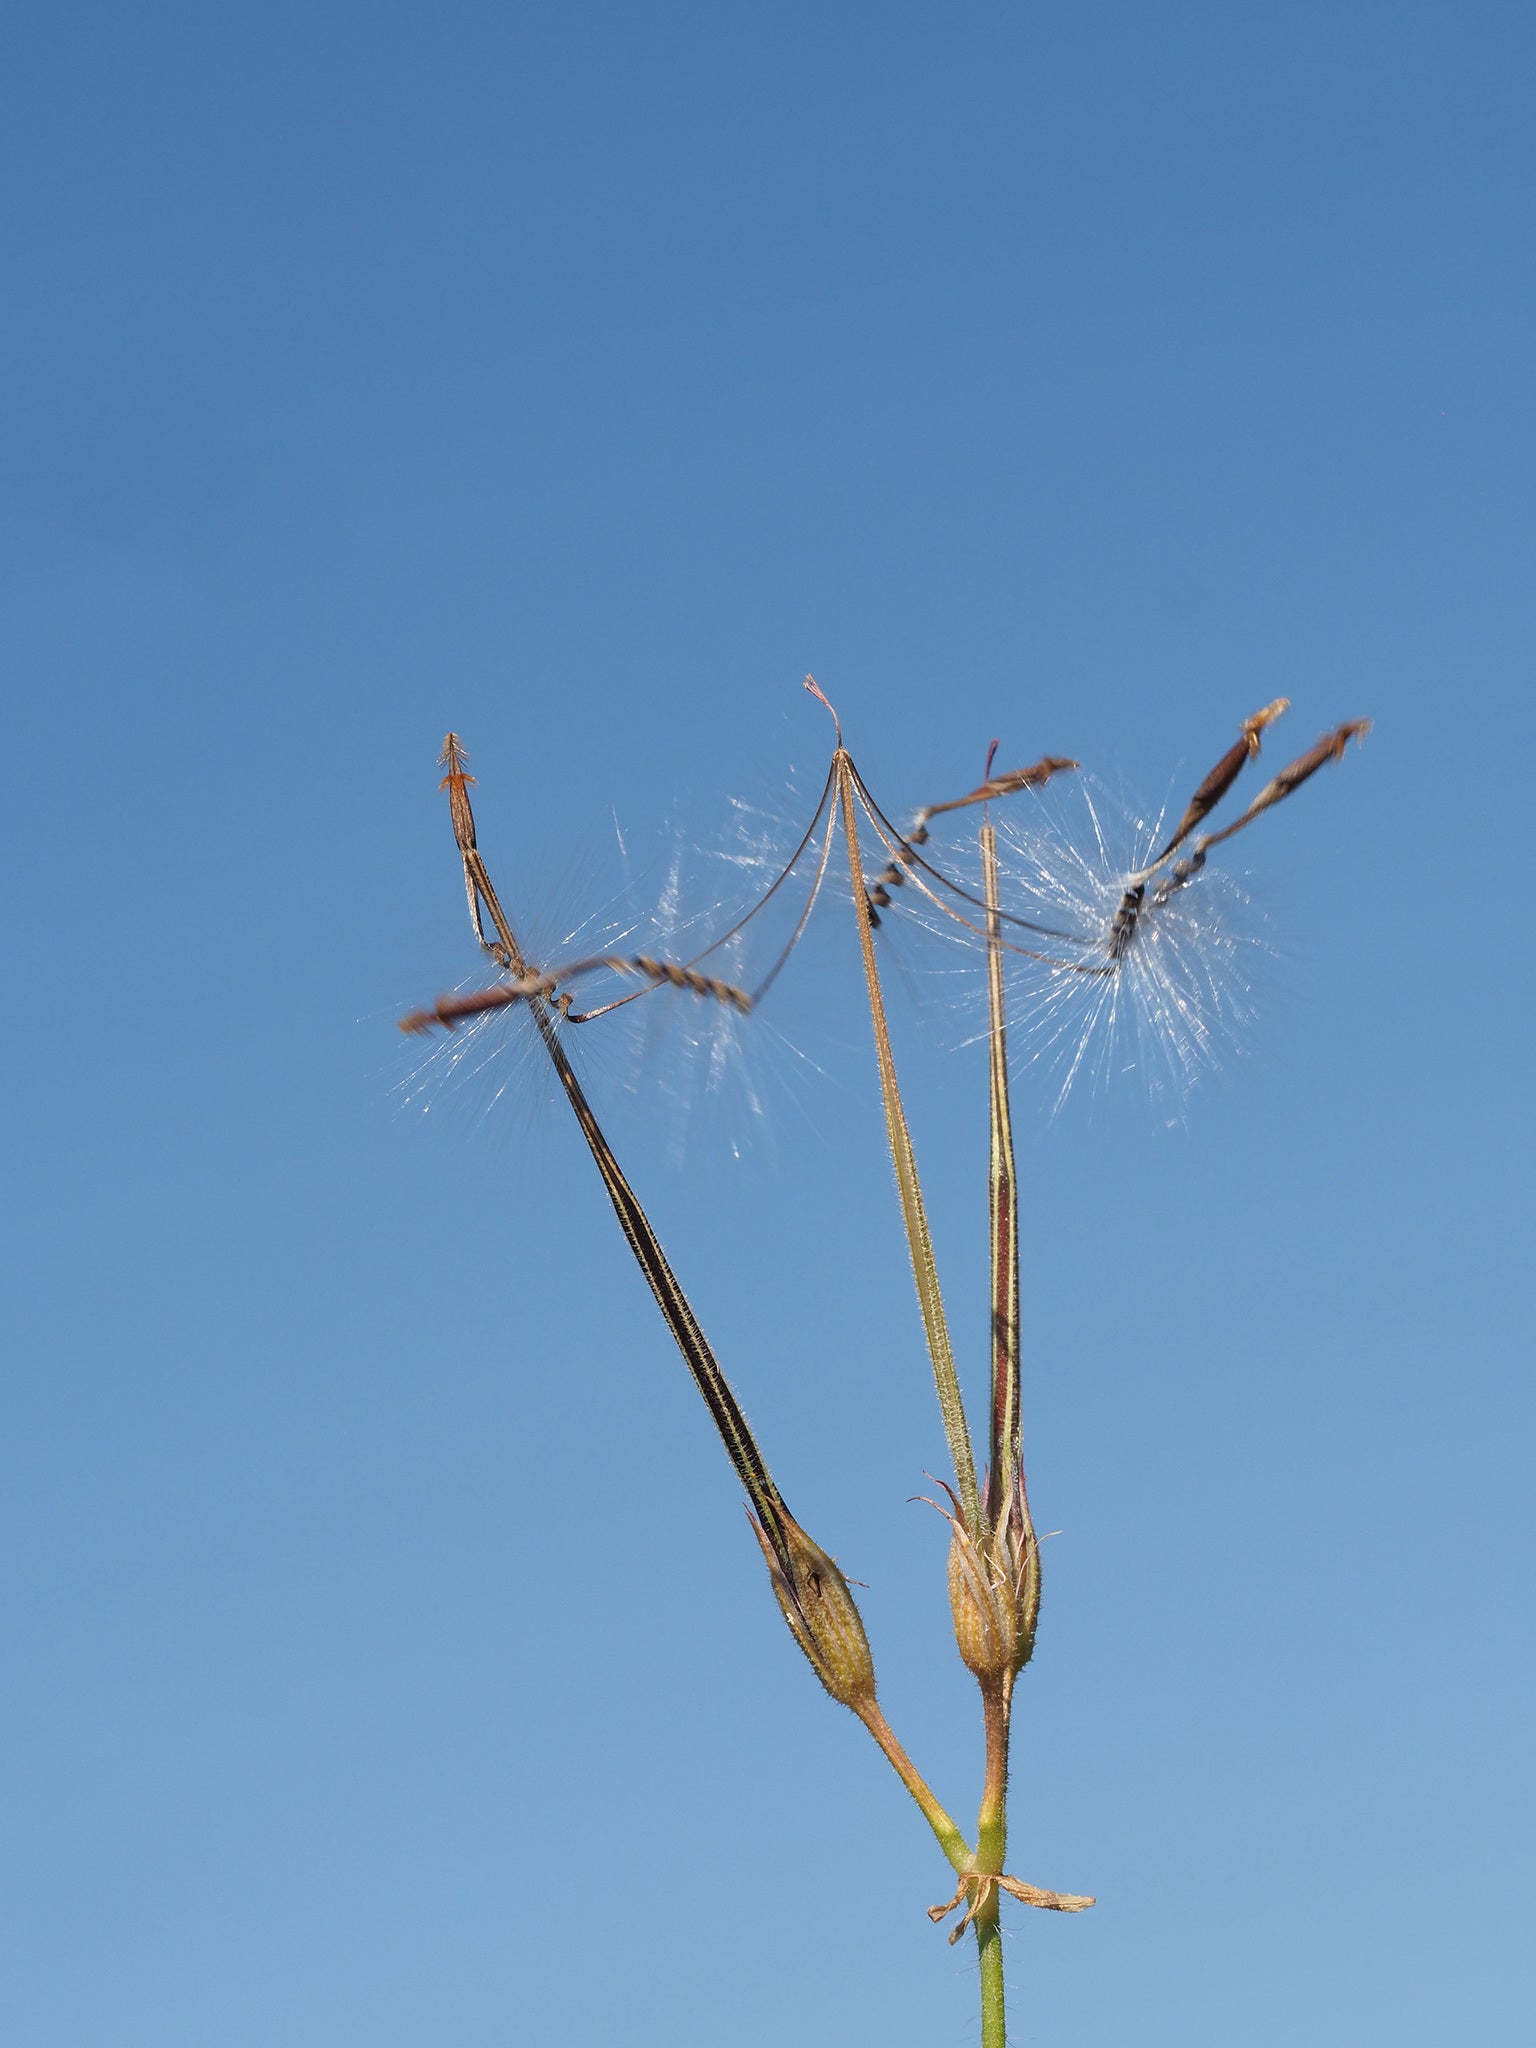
x: 1224, y: 774
x: 542, y: 984
x: 1330, y: 747
x: 725, y: 1411
x: 451, y: 1010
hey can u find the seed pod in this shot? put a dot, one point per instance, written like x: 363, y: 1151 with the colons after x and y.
x: 982, y: 1603
x: 994, y: 1592
x: 814, y: 1598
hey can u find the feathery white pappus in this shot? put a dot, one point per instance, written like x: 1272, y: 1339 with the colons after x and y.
x: 1161, y: 986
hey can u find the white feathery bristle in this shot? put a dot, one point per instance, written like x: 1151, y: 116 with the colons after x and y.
x: 1170, y: 1002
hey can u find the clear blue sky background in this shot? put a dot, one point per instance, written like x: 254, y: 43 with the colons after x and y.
x: 387, y: 1659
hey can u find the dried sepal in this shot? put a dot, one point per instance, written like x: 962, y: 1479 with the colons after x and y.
x: 985, y: 1616
x: 994, y: 1588
x: 815, y: 1600
x: 1016, y: 1561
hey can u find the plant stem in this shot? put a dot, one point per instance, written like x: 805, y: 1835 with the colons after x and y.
x: 991, y: 1853
x: 949, y: 1837
x: 989, y: 1951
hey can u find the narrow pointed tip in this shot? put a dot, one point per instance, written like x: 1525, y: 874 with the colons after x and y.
x: 821, y: 697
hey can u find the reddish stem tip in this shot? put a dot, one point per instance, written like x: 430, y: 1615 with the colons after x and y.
x: 821, y: 697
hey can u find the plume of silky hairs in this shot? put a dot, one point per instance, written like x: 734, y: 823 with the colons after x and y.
x: 994, y: 1556
x: 1114, y: 943
x: 1100, y: 943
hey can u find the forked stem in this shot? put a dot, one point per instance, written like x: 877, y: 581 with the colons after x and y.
x: 946, y: 1833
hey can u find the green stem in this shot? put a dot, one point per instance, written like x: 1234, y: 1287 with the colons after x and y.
x: 948, y: 1836
x: 991, y: 1853
x: 989, y: 1952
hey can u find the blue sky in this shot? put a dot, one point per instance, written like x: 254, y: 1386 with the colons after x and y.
x: 388, y: 1658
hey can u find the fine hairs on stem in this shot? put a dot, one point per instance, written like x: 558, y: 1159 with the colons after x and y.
x: 994, y: 1553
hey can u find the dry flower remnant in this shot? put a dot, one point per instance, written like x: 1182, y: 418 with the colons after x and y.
x: 1048, y: 942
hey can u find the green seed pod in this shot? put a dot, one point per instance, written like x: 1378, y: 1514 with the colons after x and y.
x: 820, y: 1610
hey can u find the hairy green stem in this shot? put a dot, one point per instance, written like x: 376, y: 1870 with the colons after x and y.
x: 948, y: 1836
x: 991, y: 1853
x: 989, y: 1953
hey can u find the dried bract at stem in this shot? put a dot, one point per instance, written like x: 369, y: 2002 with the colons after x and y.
x: 977, y: 1889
